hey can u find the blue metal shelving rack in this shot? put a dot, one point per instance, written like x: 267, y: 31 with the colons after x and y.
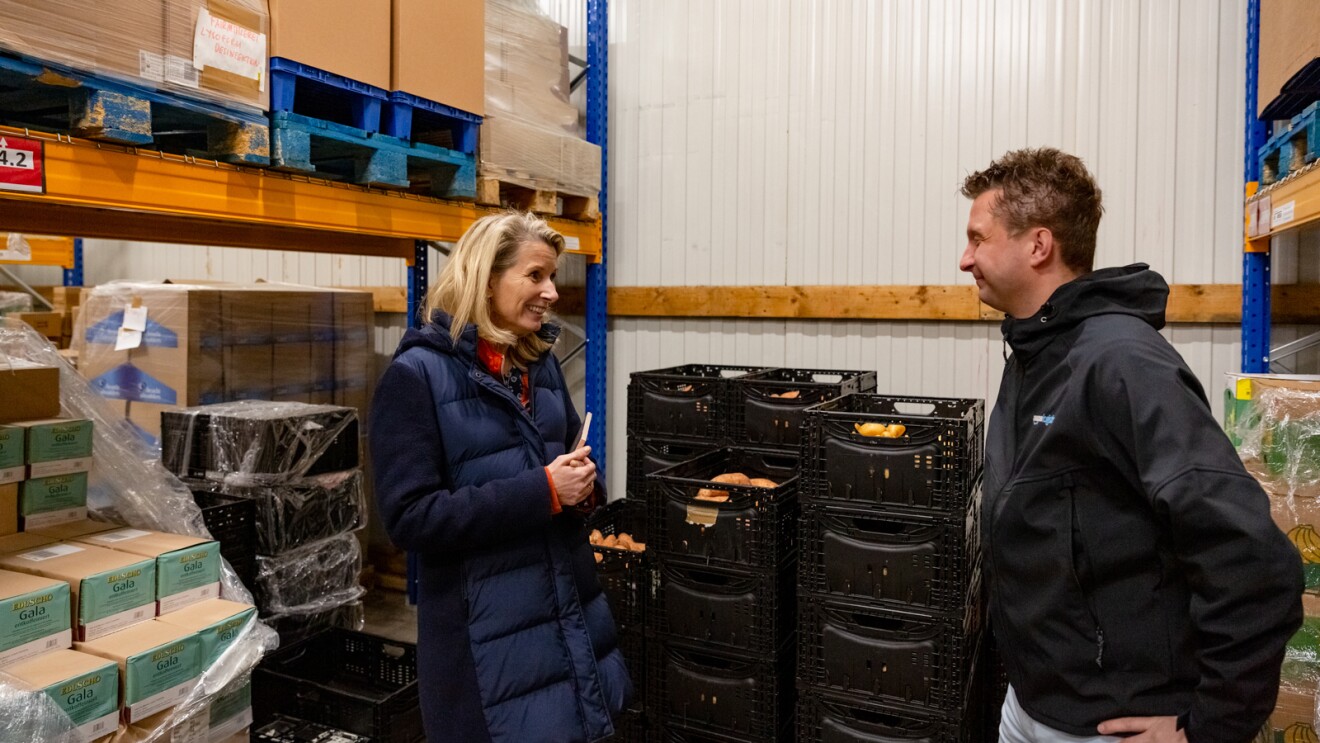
x: 1255, y: 263
x: 598, y: 46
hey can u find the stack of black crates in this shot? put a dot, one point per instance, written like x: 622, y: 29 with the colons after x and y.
x: 890, y: 606
x: 722, y: 620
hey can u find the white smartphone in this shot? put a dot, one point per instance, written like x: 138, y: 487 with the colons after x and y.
x: 582, y: 437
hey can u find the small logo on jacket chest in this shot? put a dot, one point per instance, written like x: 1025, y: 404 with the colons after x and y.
x: 1042, y: 420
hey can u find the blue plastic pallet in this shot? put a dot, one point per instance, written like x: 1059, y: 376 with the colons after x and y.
x: 1293, y: 148
x: 312, y: 92
x: 54, y: 97
x: 414, y: 119
x: 340, y: 152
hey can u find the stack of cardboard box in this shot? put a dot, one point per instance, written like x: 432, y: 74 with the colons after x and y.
x: 530, y: 135
x: 214, y: 50
x: 199, y: 345
x: 1274, y: 420
x: 115, y: 625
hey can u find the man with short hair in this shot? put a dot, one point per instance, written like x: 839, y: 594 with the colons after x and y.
x: 1138, y: 586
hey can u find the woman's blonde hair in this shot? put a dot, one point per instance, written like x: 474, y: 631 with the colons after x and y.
x: 486, y: 250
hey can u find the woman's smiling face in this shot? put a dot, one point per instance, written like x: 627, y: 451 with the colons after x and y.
x: 522, y: 295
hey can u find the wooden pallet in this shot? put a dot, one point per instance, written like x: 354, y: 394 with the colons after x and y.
x: 494, y: 192
x: 339, y: 152
x: 1293, y: 149
x: 52, y: 97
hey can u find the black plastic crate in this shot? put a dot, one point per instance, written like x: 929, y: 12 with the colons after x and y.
x: 726, y: 608
x: 892, y: 656
x: 625, y: 575
x: 298, y: 626
x: 647, y: 456
x: 824, y: 718
x: 905, y: 560
x: 633, y: 645
x: 763, y: 418
x: 268, y: 440
x: 631, y: 727
x: 348, y: 680
x: 682, y: 402
x: 283, y: 729
x: 722, y: 693
x: 931, y: 466
x: 290, y: 515
x: 232, y: 522
x: 755, y: 527
x: 673, y: 733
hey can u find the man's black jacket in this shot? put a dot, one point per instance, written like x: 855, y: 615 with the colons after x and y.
x: 1133, y: 565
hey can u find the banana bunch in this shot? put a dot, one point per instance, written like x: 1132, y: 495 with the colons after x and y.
x: 1299, y: 732
x: 1307, y: 541
x: 880, y: 430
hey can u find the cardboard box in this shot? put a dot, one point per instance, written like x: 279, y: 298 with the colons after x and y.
x: 73, y: 530
x: 160, y: 728
x: 178, y: 364
x: 439, y: 51
x: 217, y: 622
x: 229, y: 40
x: 85, y: 686
x: 1288, y: 42
x: 54, y: 500
x: 317, y: 33
x: 111, y: 590
x: 249, y: 372
x: 23, y: 541
x: 9, y: 509
x: 159, y: 665
x: 293, y: 374
x: 57, y: 446
x: 230, y: 714
x: 13, y: 454
x: 49, y: 324
x: 355, y: 321
x: 187, y: 568
x: 1293, y: 718
x: 28, y: 391
x: 34, y: 616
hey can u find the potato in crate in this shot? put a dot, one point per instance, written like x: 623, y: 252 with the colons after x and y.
x: 917, y: 453
x: 682, y: 402
x: 729, y: 506
x: 768, y: 408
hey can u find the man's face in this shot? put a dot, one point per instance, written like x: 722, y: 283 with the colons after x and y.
x: 997, y: 260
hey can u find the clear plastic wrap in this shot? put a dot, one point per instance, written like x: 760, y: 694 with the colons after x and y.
x: 128, y: 486
x: 303, y: 511
x: 531, y: 135
x: 169, y: 44
x: 14, y: 302
x: 211, y: 343
x: 301, y: 622
x: 32, y: 715
x: 255, y: 442
x: 320, y: 575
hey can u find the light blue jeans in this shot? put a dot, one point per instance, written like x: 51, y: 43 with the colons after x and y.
x: 1015, y: 726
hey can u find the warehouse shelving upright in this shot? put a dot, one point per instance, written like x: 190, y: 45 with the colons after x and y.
x: 1271, y: 210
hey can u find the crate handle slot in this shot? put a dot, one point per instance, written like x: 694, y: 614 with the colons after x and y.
x: 869, y: 717
x: 870, y: 525
x: 779, y: 461
x: 710, y: 579
x: 698, y: 661
x: 924, y: 409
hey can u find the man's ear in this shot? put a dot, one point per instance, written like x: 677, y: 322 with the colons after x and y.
x: 1043, y: 246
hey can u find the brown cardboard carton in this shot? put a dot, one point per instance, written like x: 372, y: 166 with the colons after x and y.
x: 217, y: 622
x: 159, y: 665
x: 293, y: 377
x: 28, y: 391
x: 49, y: 324
x: 34, y: 616
x: 8, y: 509
x: 159, y: 728
x: 1284, y: 49
x: 178, y: 364
x: 318, y: 33
x: 354, y: 328
x: 229, y: 38
x: 187, y: 568
x: 85, y: 686
x: 439, y: 51
x: 249, y: 372
x: 129, y: 38
x: 1293, y: 718
x: 23, y: 541
x: 111, y: 590
x: 74, y: 530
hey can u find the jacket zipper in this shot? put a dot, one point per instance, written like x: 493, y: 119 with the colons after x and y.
x: 1086, y: 596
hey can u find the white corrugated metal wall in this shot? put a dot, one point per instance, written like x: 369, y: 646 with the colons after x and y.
x: 823, y: 141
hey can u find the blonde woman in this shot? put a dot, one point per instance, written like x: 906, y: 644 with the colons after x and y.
x: 470, y: 433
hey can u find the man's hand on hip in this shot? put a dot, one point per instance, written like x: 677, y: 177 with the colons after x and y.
x: 1148, y: 729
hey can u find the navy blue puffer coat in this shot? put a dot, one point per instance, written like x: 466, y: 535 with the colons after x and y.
x: 515, y: 639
